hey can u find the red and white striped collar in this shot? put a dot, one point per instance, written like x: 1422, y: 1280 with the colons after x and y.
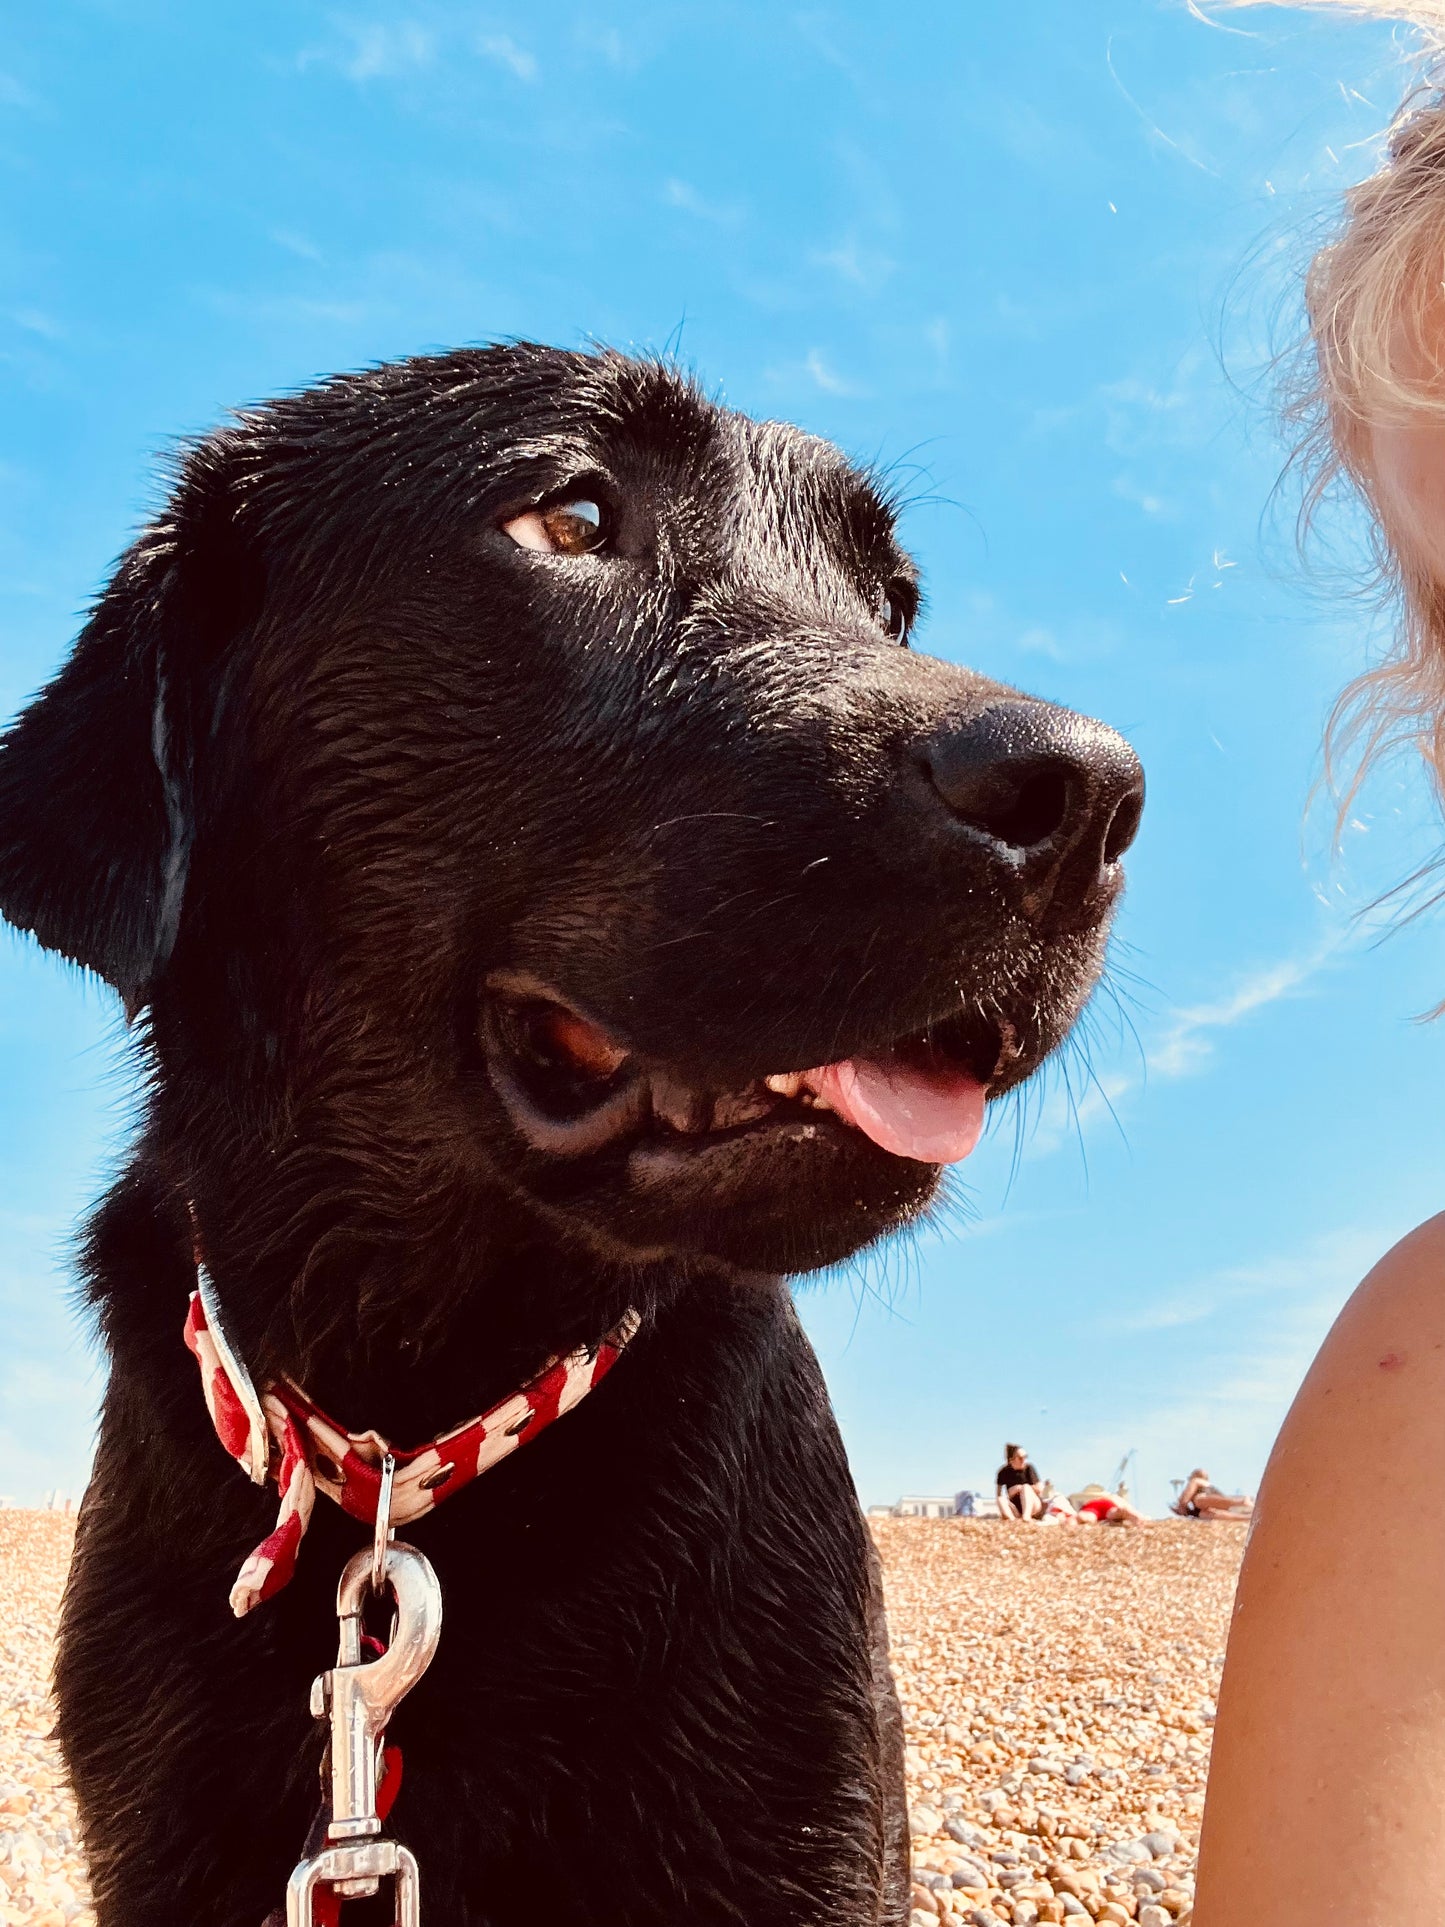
x: 280, y: 1433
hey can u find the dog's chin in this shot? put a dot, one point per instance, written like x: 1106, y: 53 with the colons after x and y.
x: 783, y: 1194
x: 787, y: 1171
x: 787, y: 1194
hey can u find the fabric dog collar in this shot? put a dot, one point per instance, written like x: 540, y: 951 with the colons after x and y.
x: 280, y: 1433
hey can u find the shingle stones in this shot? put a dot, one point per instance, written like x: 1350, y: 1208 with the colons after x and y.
x: 42, y: 1874
x: 1058, y: 1690
x: 1058, y: 1687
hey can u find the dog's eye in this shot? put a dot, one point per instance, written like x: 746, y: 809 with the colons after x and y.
x: 895, y: 613
x: 561, y: 528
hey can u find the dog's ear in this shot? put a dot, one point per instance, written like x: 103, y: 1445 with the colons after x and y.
x: 97, y: 776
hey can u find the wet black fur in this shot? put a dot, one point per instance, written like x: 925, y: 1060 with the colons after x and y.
x: 330, y: 750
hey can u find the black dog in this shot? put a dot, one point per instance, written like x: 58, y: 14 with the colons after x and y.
x: 496, y: 785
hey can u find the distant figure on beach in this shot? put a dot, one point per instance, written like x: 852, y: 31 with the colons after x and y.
x: 1017, y: 1486
x: 1095, y: 1506
x: 1201, y: 1500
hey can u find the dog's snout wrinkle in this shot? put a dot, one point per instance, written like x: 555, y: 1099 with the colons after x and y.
x: 1056, y: 795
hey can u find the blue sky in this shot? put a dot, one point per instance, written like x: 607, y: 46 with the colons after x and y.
x: 1035, y: 256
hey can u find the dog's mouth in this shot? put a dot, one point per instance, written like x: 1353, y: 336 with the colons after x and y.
x: 571, y: 1088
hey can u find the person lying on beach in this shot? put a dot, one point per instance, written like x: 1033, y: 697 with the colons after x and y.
x: 1096, y: 1507
x: 1017, y: 1486
x: 1201, y: 1500
x: 1330, y: 1737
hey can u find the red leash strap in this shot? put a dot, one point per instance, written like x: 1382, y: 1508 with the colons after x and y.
x: 326, y: 1907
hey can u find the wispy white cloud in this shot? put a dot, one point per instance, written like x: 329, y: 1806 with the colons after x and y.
x: 685, y: 197
x: 501, y: 48
x: 35, y: 321
x: 1140, y: 413
x: 608, y: 42
x: 1188, y: 1043
x: 1205, y: 1373
x: 1079, y: 639
x: 1183, y: 1046
x: 387, y: 49
x: 375, y: 50
x: 1146, y: 500
x: 1039, y: 641
x: 1067, y: 1114
x: 12, y: 94
x: 1249, y: 1333
x: 296, y: 244
x: 852, y: 261
x: 1330, y: 1262
x: 817, y: 370
x: 1143, y: 413
x: 817, y: 29
x: 827, y: 378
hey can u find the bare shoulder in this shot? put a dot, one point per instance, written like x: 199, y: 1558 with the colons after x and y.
x: 1372, y: 1396
x: 1419, y: 1257
x: 1394, y: 1325
x: 1329, y: 1726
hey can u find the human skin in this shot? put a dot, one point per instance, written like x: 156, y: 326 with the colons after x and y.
x: 1023, y: 1502
x: 1399, y: 446
x: 1407, y: 472
x: 1207, y: 1503
x: 1327, y: 1787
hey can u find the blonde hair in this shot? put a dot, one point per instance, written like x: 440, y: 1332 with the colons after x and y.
x: 1375, y: 300
x: 1375, y: 354
x: 1428, y: 15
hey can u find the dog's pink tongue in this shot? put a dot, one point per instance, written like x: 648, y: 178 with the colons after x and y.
x: 935, y: 1116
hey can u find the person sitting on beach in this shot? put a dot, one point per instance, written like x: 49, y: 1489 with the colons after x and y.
x: 1095, y: 1506
x: 1201, y: 1500
x: 1017, y: 1486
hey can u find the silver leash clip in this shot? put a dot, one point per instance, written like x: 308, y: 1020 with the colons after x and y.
x: 358, y: 1698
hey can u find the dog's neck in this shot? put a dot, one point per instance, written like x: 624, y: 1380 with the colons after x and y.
x: 498, y: 1323
x: 409, y: 1337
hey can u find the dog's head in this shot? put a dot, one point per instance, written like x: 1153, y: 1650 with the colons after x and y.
x: 506, y: 774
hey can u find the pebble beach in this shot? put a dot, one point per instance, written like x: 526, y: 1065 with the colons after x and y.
x: 42, y: 1872
x: 1058, y: 1691
x: 1057, y: 1682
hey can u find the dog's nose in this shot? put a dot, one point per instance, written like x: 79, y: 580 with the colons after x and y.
x: 1059, y: 794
